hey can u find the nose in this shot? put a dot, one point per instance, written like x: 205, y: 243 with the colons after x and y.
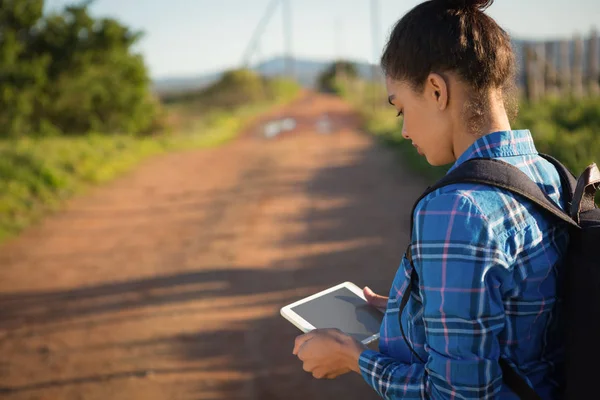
x: 404, y: 134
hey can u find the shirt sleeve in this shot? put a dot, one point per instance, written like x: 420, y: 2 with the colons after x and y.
x: 460, y: 264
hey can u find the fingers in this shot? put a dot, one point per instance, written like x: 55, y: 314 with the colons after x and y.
x: 335, y: 374
x: 323, y: 373
x: 309, y: 366
x: 316, y: 356
x: 375, y: 299
x: 300, y: 340
x: 318, y: 374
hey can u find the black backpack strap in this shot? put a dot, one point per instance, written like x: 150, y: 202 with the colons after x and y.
x: 500, y: 174
x: 517, y: 383
x: 404, y: 302
x: 568, y: 180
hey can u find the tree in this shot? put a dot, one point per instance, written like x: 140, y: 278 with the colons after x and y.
x: 21, y: 74
x: 69, y: 72
x: 233, y: 89
x: 337, y: 70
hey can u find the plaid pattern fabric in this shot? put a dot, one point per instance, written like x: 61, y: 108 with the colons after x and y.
x: 488, y: 265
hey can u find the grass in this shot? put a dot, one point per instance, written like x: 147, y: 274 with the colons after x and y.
x: 568, y: 129
x: 38, y: 174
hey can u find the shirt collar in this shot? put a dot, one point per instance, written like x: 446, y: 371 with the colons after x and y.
x: 499, y: 144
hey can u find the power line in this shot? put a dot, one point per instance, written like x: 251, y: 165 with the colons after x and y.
x: 338, y: 39
x: 287, y: 33
x: 254, y: 43
x: 375, y: 29
x: 258, y: 31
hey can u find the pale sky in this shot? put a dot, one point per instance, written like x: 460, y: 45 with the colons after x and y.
x: 193, y: 37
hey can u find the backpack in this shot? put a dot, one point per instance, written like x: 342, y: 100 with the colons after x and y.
x: 582, y: 264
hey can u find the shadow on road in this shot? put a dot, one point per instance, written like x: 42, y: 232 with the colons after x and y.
x: 366, y: 232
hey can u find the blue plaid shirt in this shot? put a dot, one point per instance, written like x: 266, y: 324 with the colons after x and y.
x: 488, y: 265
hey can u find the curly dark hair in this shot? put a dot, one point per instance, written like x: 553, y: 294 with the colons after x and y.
x: 453, y: 36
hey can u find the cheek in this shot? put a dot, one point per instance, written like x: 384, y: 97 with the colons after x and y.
x: 411, y: 128
x: 439, y: 145
x: 426, y: 134
x: 408, y: 126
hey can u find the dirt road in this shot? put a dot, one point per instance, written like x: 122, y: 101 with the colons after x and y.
x: 167, y: 283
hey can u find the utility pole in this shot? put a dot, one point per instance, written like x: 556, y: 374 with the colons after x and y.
x: 287, y: 34
x: 375, y: 29
x: 338, y: 39
x: 258, y: 31
x: 337, y: 50
x: 593, y: 67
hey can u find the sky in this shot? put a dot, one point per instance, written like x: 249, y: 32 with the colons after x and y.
x: 186, y: 38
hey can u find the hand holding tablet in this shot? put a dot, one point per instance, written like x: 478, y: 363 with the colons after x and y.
x: 343, y: 307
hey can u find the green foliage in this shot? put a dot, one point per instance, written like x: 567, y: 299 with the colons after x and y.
x: 329, y: 79
x: 568, y: 129
x: 69, y: 73
x: 282, y: 89
x: 74, y: 98
x: 38, y: 173
x: 234, y: 89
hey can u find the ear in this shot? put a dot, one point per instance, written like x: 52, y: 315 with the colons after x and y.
x: 436, y: 88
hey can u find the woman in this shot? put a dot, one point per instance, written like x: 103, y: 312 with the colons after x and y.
x: 487, y: 263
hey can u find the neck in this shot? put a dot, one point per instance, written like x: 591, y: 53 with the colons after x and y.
x: 495, y: 119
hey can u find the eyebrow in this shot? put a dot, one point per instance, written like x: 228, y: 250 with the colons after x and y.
x: 391, y: 99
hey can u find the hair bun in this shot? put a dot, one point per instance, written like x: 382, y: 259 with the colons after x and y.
x: 468, y: 5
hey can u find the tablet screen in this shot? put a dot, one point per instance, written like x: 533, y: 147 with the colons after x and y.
x: 344, y: 310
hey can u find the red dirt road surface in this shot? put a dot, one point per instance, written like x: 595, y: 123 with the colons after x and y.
x: 167, y: 282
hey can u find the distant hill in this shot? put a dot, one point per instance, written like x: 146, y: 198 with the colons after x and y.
x: 178, y: 84
x: 305, y: 71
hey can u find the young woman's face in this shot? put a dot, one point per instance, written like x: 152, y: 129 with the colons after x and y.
x: 427, y: 119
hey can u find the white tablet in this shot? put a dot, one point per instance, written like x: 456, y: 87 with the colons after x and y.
x: 343, y: 307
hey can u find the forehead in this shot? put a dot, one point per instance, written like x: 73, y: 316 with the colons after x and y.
x: 394, y: 89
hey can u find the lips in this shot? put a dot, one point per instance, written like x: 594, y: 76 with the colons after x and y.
x: 418, y: 149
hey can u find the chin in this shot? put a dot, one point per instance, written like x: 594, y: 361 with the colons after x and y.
x: 436, y: 162
x: 432, y: 162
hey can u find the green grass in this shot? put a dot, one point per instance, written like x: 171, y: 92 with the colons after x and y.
x: 568, y: 129
x: 38, y: 174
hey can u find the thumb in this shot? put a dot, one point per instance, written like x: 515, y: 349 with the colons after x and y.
x: 375, y: 299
